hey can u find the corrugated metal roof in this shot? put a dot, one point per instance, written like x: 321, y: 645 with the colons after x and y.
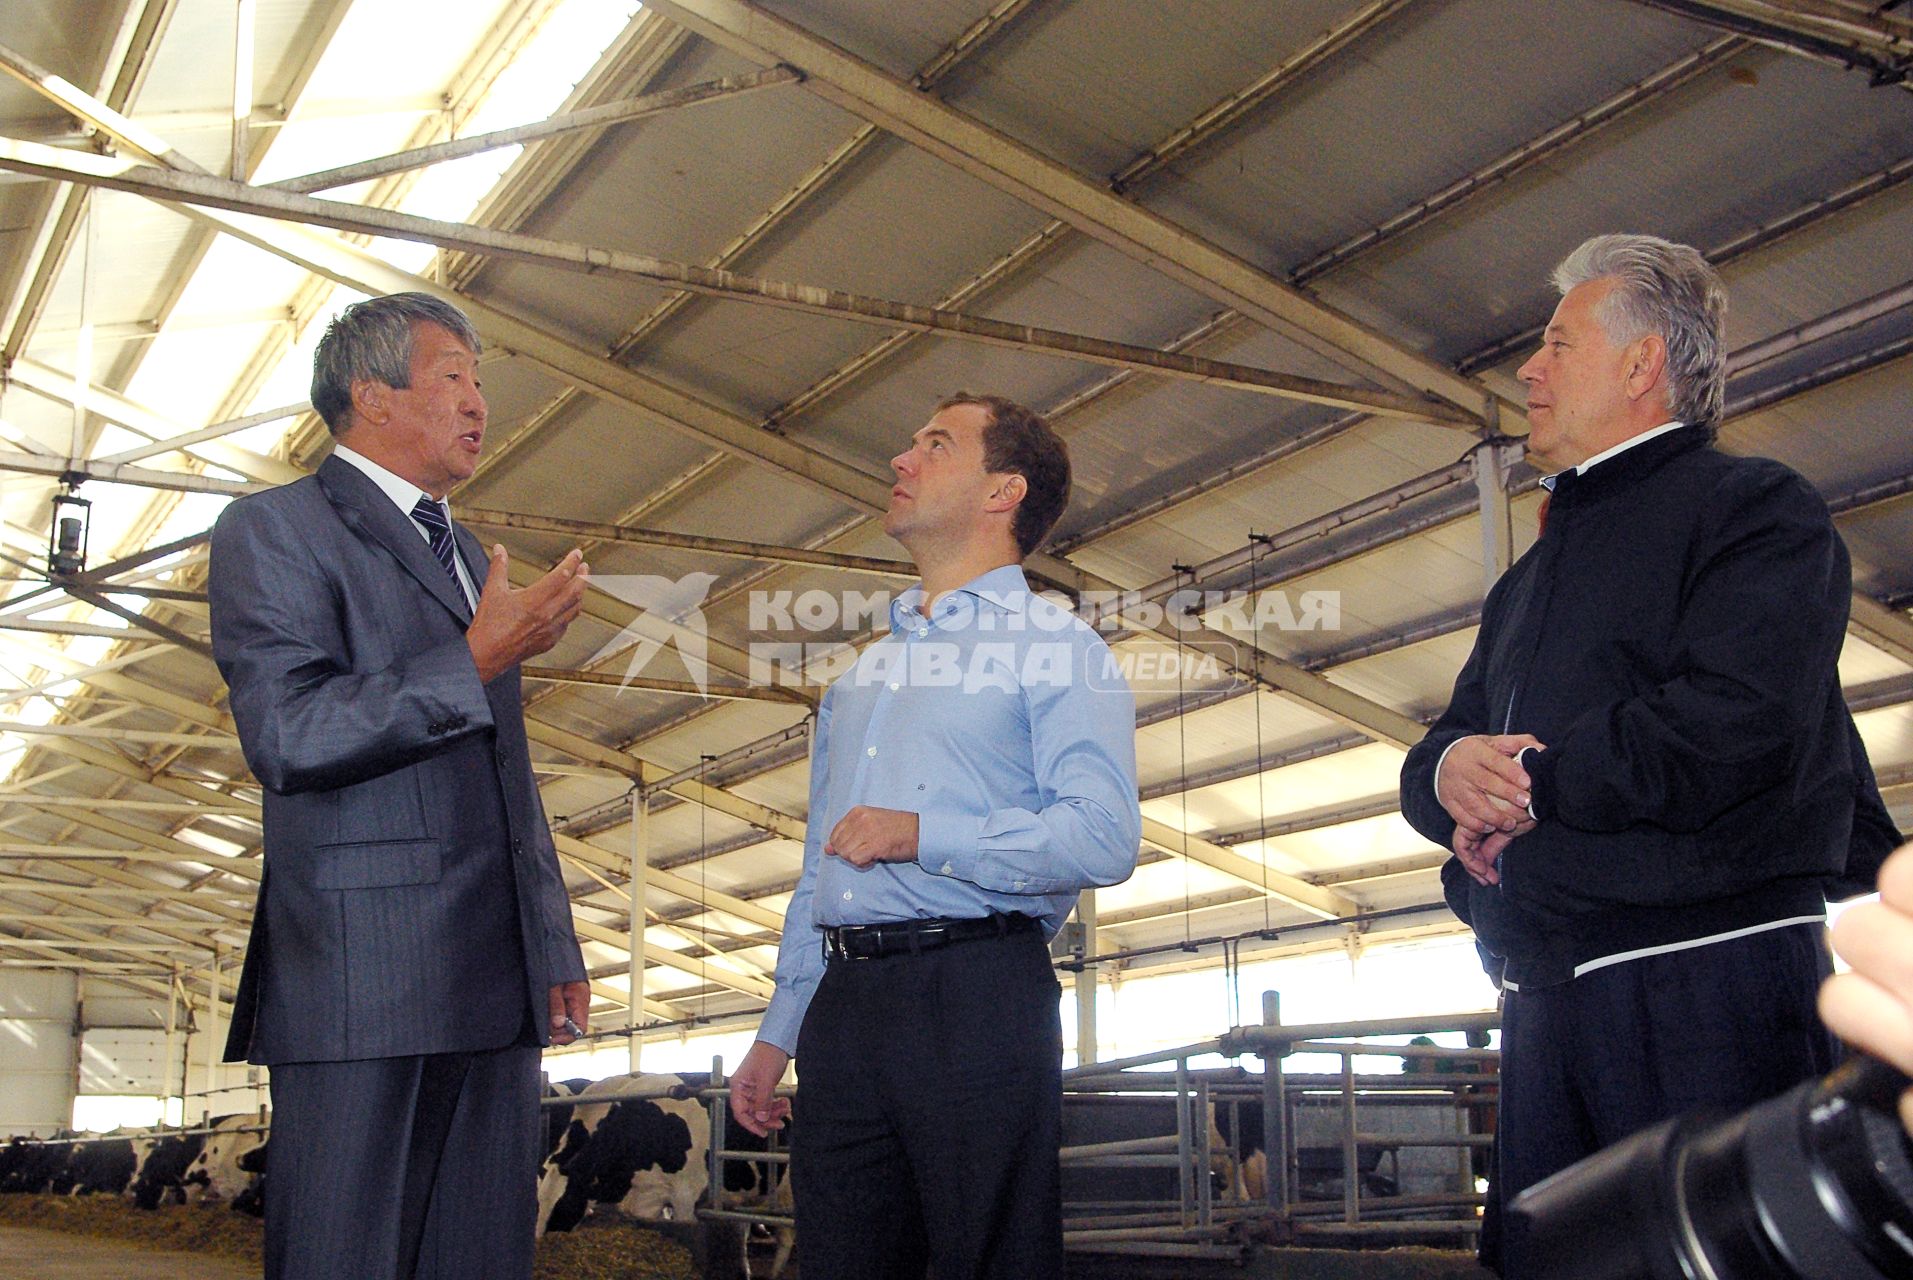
x: 1441, y: 90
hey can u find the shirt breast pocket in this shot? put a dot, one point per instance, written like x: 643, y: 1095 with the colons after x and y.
x: 375, y: 864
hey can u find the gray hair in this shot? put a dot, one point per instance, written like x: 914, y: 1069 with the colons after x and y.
x: 1666, y: 289
x: 372, y: 341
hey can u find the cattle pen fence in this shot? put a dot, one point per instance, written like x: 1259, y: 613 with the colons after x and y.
x: 1169, y: 1158
x: 1366, y: 1157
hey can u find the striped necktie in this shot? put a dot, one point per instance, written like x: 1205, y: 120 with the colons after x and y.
x: 438, y: 530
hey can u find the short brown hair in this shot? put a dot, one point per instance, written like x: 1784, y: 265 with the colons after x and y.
x: 1019, y: 441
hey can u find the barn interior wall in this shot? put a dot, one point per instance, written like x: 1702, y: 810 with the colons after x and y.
x: 37, y: 1050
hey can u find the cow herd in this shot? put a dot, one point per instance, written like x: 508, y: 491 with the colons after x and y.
x: 637, y: 1144
x: 147, y: 1167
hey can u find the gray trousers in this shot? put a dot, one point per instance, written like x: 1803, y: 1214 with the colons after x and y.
x: 412, y: 1168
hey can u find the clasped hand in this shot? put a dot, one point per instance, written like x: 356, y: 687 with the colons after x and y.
x: 510, y: 625
x: 1486, y: 791
x: 867, y: 835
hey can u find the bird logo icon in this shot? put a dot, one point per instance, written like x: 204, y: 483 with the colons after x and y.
x: 670, y: 611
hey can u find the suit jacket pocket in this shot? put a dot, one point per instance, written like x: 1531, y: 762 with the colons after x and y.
x: 375, y: 864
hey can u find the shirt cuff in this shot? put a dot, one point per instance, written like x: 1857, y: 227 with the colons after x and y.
x: 1540, y: 780
x: 1440, y: 760
x: 947, y: 844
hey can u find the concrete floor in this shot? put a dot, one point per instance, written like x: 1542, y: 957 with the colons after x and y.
x: 54, y: 1255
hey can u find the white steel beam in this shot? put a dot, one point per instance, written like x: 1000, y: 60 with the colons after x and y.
x: 117, y: 407
x: 245, y: 14
x: 28, y: 730
x: 1314, y: 899
x: 672, y: 883
x: 214, y: 432
x: 589, y: 118
x: 714, y: 969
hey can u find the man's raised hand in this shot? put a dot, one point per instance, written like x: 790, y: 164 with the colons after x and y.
x: 511, y: 625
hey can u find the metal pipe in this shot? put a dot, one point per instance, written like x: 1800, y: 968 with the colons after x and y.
x: 1253, y: 1039
x: 166, y: 1072
x: 1385, y: 1229
x: 652, y: 684
x: 1184, y: 1181
x: 1275, y: 1115
x: 1120, y: 1147
x: 1205, y: 1157
x: 1463, y: 1140
x: 1117, y: 1065
x: 689, y: 542
x: 640, y: 865
x: 719, y: 1113
x: 1351, y: 1153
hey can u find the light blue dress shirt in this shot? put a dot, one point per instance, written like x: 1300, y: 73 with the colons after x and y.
x: 1002, y: 721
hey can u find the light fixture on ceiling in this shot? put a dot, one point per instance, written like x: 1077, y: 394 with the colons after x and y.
x: 66, y: 535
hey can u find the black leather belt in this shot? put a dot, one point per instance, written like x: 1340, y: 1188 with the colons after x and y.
x: 870, y: 941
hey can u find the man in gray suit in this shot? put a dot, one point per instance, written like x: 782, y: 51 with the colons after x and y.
x: 412, y: 947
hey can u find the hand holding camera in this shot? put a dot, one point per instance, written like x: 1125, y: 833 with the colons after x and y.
x: 1871, y: 1008
x: 1816, y: 1184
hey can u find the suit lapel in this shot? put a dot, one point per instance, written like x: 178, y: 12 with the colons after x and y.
x: 364, y: 506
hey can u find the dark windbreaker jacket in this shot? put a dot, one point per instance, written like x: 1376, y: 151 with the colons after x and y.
x: 1672, y: 638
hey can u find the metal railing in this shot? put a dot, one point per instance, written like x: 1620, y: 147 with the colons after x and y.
x: 1203, y: 1220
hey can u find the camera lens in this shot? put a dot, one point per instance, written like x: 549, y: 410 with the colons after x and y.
x: 1815, y: 1185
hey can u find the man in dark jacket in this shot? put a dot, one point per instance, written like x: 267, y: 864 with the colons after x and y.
x: 1645, y: 772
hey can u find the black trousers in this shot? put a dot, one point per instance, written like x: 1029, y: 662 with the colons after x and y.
x: 396, y: 1168
x: 928, y: 1116
x: 1591, y: 1061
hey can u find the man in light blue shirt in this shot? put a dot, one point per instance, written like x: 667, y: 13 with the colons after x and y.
x: 969, y: 775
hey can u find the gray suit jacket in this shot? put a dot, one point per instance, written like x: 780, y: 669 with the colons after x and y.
x: 411, y: 901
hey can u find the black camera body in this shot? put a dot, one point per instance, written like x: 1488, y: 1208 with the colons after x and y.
x: 1816, y: 1184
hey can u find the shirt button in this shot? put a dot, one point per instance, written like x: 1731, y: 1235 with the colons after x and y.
x: 894, y: 686
x: 948, y: 869
x: 848, y: 895
x: 870, y: 751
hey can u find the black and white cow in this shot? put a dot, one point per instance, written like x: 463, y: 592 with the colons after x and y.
x: 648, y: 1157
x: 104, y: 1166
x: 231, y: 1166
x: 163, y: 1161
x: 31, y: 1166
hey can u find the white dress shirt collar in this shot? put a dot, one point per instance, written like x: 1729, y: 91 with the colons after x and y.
x: 1616, y: 451
x: 403, y: 493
